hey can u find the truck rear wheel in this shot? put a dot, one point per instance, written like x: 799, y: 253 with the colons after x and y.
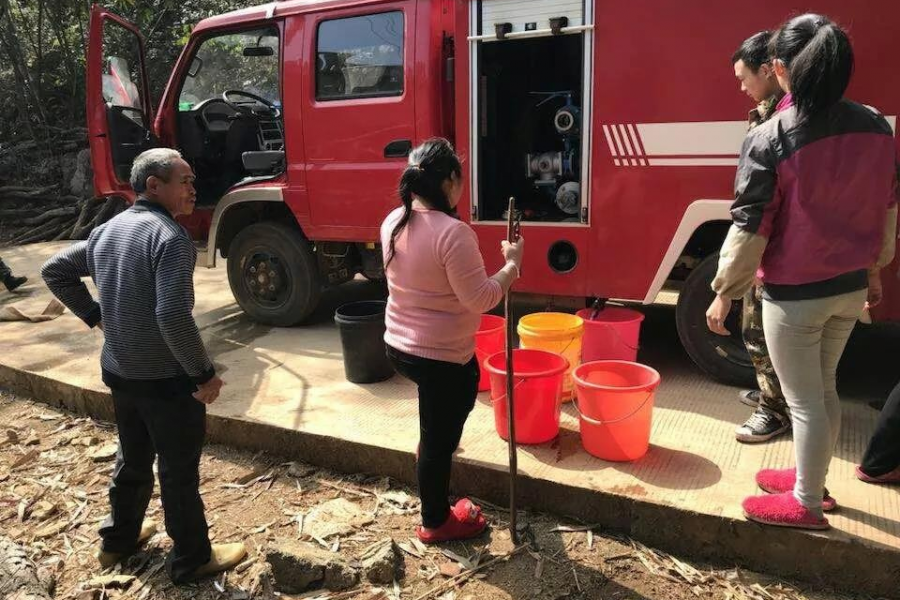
x: 723, y: 358
x: 273, y: 274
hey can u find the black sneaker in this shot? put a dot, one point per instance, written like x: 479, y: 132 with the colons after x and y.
x: 14, y: 282
x: 750, y: 397
x: 762, y: 426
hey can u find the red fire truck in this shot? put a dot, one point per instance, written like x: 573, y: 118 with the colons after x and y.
x: 615, y: 125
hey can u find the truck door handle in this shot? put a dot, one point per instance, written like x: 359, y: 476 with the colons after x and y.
x: 398, y: 149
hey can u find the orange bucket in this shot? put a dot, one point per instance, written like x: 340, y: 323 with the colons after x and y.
x: 489, y: 339
x: 615, y: 408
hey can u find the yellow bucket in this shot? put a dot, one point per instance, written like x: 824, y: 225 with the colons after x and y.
x: 554, y: 332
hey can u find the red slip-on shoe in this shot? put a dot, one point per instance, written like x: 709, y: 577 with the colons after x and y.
x: 782, y: 510
x: 464, y: 522
x: 892, y: 477
x: 778, y: 481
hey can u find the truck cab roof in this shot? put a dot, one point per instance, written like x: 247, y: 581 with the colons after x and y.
x: 270, y: 10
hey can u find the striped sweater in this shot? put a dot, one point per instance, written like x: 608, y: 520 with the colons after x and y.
x: 142, y: 263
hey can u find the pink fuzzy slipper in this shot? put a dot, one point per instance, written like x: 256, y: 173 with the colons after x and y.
x: 778, y: 481
x: 782, y: 510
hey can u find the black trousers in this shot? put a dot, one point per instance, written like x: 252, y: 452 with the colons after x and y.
x: 883, y: 453
x: 447, y: 393
x: 5, y: 272
x: 169, y: 424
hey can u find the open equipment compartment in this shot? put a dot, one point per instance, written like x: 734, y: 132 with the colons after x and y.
x: 530, y: 64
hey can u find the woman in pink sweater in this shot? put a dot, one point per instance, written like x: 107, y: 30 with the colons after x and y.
x: 438, y: 289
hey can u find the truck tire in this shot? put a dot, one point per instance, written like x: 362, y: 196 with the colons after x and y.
x: 722, y: 358
x: 273, y: 274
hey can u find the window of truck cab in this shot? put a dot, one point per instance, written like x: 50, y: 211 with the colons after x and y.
x: 229, y: 107
x: 360, y: 57
x: 227, y: 61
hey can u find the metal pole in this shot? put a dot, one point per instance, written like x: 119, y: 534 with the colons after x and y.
x: 511, y: 235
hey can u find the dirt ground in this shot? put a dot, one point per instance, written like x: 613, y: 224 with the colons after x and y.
x: 54, y: 469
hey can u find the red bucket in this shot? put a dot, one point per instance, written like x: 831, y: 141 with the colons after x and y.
x: 489, y: 339
x: 612, y: 335
x: 538, y: 380
x: 615, y: 406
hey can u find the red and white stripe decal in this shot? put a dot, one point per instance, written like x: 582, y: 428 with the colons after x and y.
x: 697, y: 144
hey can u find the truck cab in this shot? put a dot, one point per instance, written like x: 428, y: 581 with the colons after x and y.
x: 615, y: 126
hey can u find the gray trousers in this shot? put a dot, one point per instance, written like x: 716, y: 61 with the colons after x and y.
x: 806, y: 340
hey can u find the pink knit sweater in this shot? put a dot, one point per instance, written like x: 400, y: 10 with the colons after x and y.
x: 438, y: 286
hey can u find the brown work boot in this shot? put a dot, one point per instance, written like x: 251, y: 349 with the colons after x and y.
x: 108, y: 559
x: 223, y: 557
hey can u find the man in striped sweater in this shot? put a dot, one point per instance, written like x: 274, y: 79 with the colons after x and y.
x: 153, y: 360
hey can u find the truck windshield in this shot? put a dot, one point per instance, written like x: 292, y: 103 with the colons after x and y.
x: 247, y: 61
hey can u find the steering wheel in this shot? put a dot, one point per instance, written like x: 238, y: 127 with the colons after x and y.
x: 271, y: 111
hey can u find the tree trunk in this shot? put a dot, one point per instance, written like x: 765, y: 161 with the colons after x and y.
x: 19, y: 578
x: 10, y: 37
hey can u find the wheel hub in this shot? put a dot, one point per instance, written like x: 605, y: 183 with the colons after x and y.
x: 266, y: 278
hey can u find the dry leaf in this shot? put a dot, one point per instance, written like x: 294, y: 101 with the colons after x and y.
x: 256, y: 473
x: 463, y: 561
x: 111, y: 581
x: 572, y: 529
x: 12, y: 436
x: 450, y: 569
x: 25, y: 459
x: 539, y: 568
x: 44, y: 510
x: 410, y: 550
x: 419, y: 545
x: 105, y: 453
x: 51, y: 530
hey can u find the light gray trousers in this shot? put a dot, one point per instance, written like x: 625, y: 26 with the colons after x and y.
x: 806, y: 339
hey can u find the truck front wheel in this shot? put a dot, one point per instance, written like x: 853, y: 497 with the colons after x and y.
x: 273, y: 274
x: 723, y: 358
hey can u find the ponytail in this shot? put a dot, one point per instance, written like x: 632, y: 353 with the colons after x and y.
x: 430, y: 165
x: 819, y: 58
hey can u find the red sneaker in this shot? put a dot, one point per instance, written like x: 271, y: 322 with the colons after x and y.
x: 782, y: 510
x: 464, y: 522
x: 892, y: 477
x: 778, y: 481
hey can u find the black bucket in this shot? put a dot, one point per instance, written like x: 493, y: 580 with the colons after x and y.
x: 362, y: 337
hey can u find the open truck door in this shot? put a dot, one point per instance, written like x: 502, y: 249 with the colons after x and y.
x: 118, y: 102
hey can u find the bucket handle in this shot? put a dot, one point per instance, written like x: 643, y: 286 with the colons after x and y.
x: 618, y: 336
x: 515, y: 387
x: 625, y: 418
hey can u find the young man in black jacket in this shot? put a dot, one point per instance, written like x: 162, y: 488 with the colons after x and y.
x: 753, y: 69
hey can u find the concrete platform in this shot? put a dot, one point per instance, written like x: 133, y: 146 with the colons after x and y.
x: 286, y: 393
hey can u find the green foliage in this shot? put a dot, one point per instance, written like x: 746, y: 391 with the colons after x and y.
x: 42, y: 56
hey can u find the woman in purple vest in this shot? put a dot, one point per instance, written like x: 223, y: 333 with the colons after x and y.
x: 815, y: 218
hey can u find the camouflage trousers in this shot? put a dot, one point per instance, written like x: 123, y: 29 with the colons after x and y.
x: 771, y: 397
